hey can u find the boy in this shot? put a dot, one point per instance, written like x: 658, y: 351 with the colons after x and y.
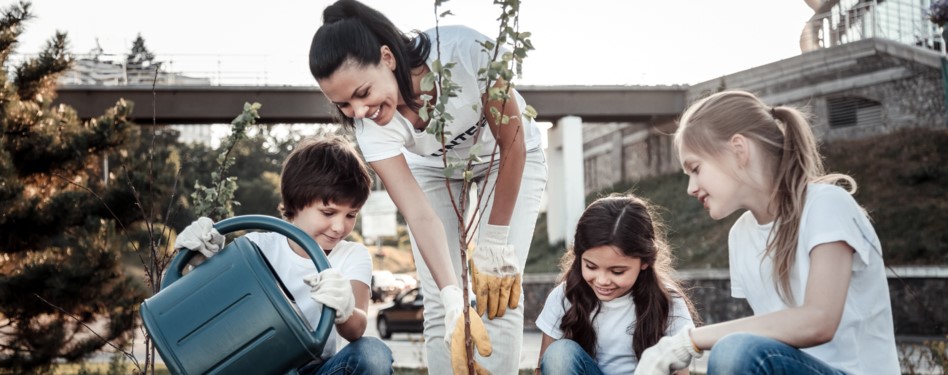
x: 323, y: 185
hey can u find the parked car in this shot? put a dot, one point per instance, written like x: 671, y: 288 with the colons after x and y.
x: 406, y: 281
x: 384, y: 285
x: 406, y: 314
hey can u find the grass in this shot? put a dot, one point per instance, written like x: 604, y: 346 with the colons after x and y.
x: 103, y: 368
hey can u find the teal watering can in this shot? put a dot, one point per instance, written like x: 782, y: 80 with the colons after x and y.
x: 232, y: 314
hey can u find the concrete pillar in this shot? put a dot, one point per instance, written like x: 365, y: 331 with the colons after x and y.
x: 565, y: 188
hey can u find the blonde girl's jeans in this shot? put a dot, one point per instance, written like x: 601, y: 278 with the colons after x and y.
x: 506, y: 333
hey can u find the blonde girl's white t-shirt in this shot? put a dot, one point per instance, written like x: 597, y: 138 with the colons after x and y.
x: 351, y: 259
x: 459, y: 45
x: 864, y: 342
x: 614, y: 326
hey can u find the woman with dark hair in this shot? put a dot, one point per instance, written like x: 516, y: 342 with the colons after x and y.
x: 373, y: 73
x: 618, y: 297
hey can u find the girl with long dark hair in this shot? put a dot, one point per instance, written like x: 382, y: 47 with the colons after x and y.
x: 618, y: 297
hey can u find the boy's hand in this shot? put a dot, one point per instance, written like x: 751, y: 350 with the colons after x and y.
x: 495, y: 272
x: 454, y: 331
x: 671, y: 353
x: 200, y: 236
x: 331, y: 289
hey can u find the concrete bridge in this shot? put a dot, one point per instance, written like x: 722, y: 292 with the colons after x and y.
x: 190, y: 104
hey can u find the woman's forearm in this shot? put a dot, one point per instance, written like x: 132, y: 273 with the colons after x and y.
x: 434, y: 248
x: 512, y: 157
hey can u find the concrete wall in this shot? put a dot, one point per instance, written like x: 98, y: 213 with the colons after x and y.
x: 615, y: 152
x: 905, y: 80
x: 917, y: 296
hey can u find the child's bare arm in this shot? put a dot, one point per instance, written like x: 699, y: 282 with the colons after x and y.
x: 815, y: 321
x: 354, y: 328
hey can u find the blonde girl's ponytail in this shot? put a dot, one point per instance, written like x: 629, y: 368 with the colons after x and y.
x: 800, y: 164
x: 788, y: 145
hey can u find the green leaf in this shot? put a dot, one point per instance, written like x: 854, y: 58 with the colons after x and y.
x: 427, y: 82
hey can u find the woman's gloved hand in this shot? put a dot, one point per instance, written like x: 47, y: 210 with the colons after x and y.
x: 495, y: 271
x: 454, y: 331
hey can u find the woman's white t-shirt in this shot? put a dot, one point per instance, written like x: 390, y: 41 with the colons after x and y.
x: 864, y: 342
x: 351, y: 259
x: 459, y: 45
x: 614, y: 326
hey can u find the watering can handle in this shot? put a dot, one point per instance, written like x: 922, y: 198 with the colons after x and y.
x: 245, y: 222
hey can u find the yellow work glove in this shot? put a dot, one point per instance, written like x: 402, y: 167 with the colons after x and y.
x: 495, y: 270
x: 454, y: 331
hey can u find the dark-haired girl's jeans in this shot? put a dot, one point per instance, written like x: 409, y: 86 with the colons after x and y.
x: 742, y: 353
x: 565, y: 356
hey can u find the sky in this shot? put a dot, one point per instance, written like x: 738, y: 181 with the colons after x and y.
x: 589, y: 42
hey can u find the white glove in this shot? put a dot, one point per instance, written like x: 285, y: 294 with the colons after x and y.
x: 331, y: 289
x: 495, y: 272
x: 671, y: 353
x: 200, y: 236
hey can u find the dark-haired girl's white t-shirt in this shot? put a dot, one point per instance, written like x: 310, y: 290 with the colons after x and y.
x: 864, y: 342
x: 614, y: 326
x: 459, y: 45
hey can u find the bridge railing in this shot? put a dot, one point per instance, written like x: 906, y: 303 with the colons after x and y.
x: 186, y: 69
x: 903, y: 21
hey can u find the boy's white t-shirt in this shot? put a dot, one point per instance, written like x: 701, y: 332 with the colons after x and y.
x: 351, y: 259
x: 614, y: 327
x: 459, y: 45
x: 864, y: 342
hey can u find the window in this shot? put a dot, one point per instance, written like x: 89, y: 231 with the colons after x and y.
x: 853, y: 111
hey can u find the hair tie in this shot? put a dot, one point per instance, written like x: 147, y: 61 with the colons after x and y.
x: 773, y: 112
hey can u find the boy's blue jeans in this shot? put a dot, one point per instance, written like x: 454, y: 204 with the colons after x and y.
x: 565, y: 356
x: 367, y: 355
x: 743, y: 353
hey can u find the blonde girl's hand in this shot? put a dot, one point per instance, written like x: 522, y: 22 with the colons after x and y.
x: 671, y: 353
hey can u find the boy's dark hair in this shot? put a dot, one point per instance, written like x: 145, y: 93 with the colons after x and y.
x: 327, y: 169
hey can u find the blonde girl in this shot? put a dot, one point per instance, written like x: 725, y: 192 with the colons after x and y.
x: 803, y: 253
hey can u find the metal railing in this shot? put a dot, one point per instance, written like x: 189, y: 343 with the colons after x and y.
x: 852, y: 20
x: 186, y: 69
